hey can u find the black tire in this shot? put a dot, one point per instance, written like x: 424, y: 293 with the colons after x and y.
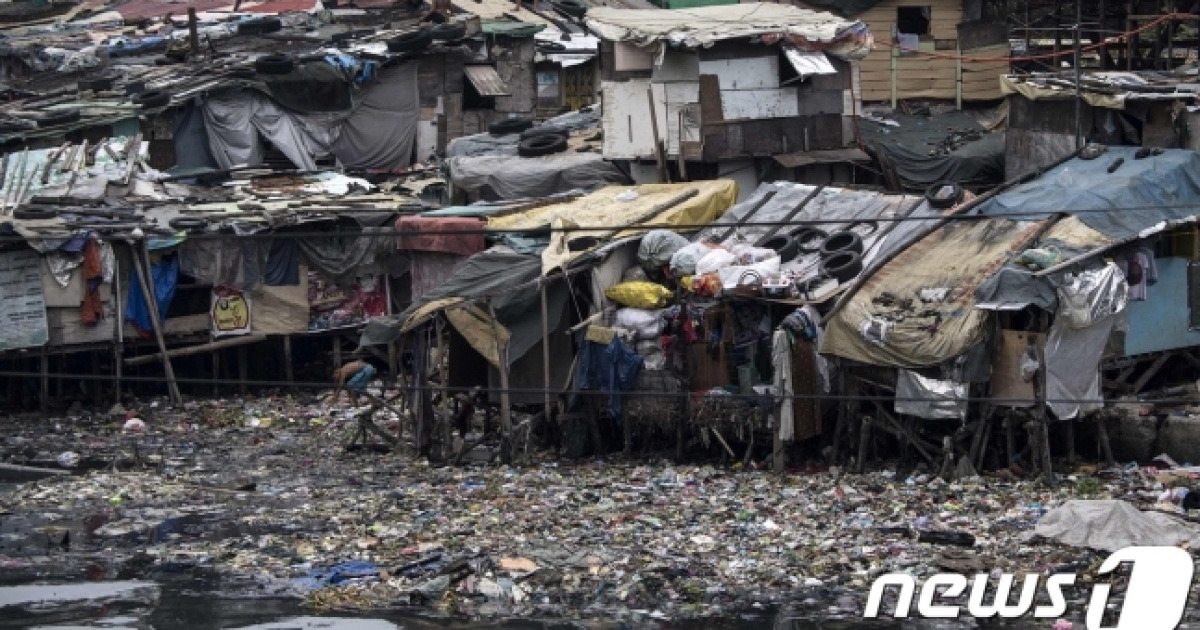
x: 259, y: 26
x: 53, y: 119
x: 241, y: 73
x: 344, y: 36
x: 509, y: 125
x: 870, y: 227
x: 939, y: 199
x: 165, y: 61
x: 573, y: 8
x: 189, y: 224
x: 410, y: 42
x: 541, y: 145
x: 448, y: 32
x: 150, y: 99
x: 34, y: 213
x: 135, y: 87
x: 550, y: 47
x: 842, y: 266
x: 846, y: 241
x: 544, y: 131
x: 7, y: 128
x: 784, y: 245
x: 274, y: 64
x: 808, y: 239
x: 103, y: 84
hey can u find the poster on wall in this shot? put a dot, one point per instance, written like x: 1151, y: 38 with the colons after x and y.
x: 332, y: 306
x: 230, y: 312
x: 22, y: 304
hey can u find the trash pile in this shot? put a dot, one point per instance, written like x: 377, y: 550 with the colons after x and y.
x: 274, y: 496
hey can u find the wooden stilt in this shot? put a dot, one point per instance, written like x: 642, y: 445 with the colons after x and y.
x: 777, y: 461
x: 337, y: 352
x: 216, y: 373
x: 1010, y: 438
x: 505, y: 410
x: 1070, y: 431
x: 444, y: 382
x: 156, y: 321
x: 1042, y: 418
x: 96, y: 386
x: 1102, y: 434
x: 980, y: 437
x: 289, y: 370
x: 58, y: 380
x: 118, y: 367
x: 546, y: 399
x: 44, y: 389
x: 864, y: 436
x: 243, y: 369
x: 118, y: 349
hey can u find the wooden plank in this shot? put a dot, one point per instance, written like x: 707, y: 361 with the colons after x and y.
x: 204, y: 347
x: 627, y: 130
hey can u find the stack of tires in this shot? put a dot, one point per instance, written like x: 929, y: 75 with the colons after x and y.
x: 840, y: 252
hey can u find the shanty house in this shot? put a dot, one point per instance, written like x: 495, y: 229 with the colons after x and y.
x: 728, y: 85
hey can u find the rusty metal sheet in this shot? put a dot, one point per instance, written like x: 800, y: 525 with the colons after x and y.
x: 486, y: 81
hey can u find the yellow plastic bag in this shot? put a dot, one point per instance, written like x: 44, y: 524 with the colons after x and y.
x: 639, y: 294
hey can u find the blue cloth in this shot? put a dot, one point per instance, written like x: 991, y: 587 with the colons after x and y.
x: 337, y: 574
x: 164, y: 277
x: 359, y: 381
x: 613, y: 368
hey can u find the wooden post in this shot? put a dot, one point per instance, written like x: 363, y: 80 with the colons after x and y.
x: 864, y: 437
x: 546, y: 401
x: 193, y: 32
x: 659, y: 157
x: 216, y: 373
x: 118, y: 349
x: 1070, y: 431
x: 1102, y: 434
x: 96, y: 386
x: 289, y: 370
x: 777, y: 463
x: 243, y: 369
x: 156, y: 321
x: 447, y: 430
x: 44, y: 389
x: 1043, y: 421
x: 337, y: 352
x: 505, y: 410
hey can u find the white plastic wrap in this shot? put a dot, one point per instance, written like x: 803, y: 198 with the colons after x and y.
x: 715, y: 260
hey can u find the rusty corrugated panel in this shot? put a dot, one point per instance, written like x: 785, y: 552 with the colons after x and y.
x: 486, y: 81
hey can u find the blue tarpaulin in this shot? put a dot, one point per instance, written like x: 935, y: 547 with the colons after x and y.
x: 1139, y: 194
x: 164, y: 275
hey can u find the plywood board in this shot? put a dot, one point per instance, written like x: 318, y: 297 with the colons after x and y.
x: 1007, y: 384
x: 749, y: 73
x: 756, y: 104
x: 67, y: 328
x: 71, y: 296
x: 676, y: 104
x: 627, y: 130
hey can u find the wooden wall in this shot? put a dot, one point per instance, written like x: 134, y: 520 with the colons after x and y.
x: 922, y: 76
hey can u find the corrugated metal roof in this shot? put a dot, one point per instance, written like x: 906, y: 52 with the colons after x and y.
x: 142, y: 9
x: 282, y: 6
x: 486, y: 81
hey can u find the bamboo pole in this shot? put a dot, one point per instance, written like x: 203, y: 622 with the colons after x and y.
x: 156, y: 322
x: 502, y: 360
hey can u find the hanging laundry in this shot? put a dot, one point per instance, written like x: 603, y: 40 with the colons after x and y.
x: 92, y: 307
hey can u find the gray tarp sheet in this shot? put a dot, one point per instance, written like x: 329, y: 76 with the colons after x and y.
x: 1113, y: 525
x: 844, y: 7
x: 908, y: 149
x: 504, y: 277
x: 239, y: 120
x: 510, y: 178
x: 1138, y: 195
x: 340, y: 256
x: 382, y: 130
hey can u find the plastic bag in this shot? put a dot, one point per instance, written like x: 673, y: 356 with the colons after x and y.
x: 646, y: 295
x: 657, y: 247
x: 645, y: 324
x: 1088, y: 297
x: 1041, y: 258
x: 683, y: 262
x: 749, y: 254
x: 715, y: 260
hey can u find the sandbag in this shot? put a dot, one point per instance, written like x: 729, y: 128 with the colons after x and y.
x: 644, y: 295
x: 657, y: 247
x: 683, y: 262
